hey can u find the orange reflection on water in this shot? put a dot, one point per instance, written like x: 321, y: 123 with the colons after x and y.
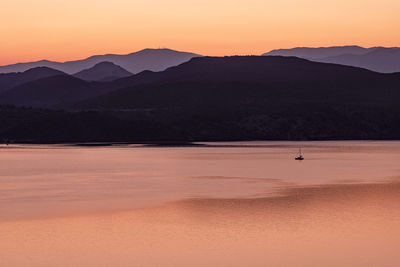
x: 336, y: 225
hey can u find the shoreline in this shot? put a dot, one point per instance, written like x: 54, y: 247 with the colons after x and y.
x: 195, y: 143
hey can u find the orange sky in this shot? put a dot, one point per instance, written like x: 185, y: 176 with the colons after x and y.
x: 67, y: 29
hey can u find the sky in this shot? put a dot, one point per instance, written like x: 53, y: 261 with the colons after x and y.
x: 73, y: 29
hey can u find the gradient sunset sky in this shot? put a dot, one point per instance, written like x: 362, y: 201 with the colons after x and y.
x: 67, y: 30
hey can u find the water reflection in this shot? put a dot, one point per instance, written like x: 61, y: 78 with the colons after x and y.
x: 339, y: 225
x: 50, y: 180
x: 235, y: 205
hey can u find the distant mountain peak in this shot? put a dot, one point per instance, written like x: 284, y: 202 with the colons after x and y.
x: 157, y: 50
x: 43, y: 69
x: 105, y: 64
x: 103, y: 71
x: 161, y: 51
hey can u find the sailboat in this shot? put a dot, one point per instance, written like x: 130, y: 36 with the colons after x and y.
x: 300, y: 157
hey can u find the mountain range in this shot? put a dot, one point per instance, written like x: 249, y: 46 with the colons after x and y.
x: 147, y: 59
x: 209, y: 98
x: 249, y: 79
x: 379, y: 59
x: 201, y: 76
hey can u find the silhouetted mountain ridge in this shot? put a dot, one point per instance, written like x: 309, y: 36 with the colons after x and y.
x: 54, y: 91
x: 10, y: 80
x: 379, y: 59
x: 103, y: 71
x: 384, y: 60
x: 272, y: 76
x: 211, y: 99
x: 147, y: 59
x: 320, y: 52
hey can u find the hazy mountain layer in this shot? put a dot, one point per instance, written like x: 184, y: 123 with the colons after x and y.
x: 147, y: 59
x: 379, y: 59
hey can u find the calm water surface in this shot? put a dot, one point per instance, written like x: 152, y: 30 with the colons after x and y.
x: 223, y: 204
